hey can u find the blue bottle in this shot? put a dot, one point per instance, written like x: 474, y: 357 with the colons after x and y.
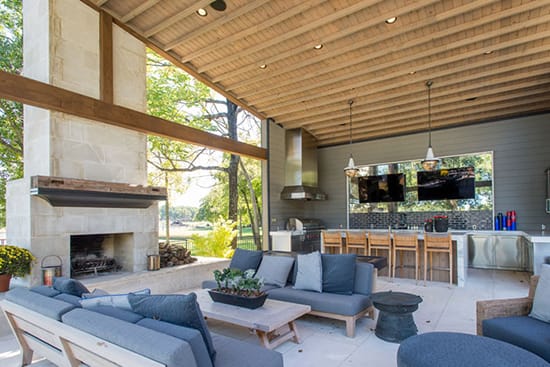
x: 497, y: 223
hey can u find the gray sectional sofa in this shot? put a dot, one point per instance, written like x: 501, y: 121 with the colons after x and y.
x: 67, y: 331
x: 343, y: 294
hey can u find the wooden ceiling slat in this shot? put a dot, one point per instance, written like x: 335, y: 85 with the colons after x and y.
x: 291, y: 33
x: 406, y: 46
x: 248, y: 31
x: 165, y: 23
x: 309, y: 61
x: 215, y: 24
x: 364, y: 82
x: 466, y: 86
x: 139, y: 10
x: 442, y: 106
x: 362, y: 58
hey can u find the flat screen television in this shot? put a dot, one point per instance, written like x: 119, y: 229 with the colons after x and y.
x: 446, y: 184
x: 383, y: 188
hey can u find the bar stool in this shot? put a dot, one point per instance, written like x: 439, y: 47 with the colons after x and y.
x: 438, y: 242
x: 406, y: 241
x: 381, y: 241
x: 356, y: 240
x: 332, y: 241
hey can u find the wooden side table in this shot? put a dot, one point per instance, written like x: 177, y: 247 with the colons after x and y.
x: 395, y: 321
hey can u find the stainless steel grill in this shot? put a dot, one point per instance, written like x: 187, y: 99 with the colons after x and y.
x: 306, y: 234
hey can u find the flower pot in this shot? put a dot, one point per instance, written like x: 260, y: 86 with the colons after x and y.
x: 236, y: 300
x: 5, y: 282
x: 441, y: 224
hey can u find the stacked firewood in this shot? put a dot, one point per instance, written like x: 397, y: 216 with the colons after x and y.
x: 174, y: 254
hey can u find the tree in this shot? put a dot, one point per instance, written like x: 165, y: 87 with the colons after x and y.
x: 11, y: 113
x: 174, y: 95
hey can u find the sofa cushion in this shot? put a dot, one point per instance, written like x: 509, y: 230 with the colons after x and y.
x: 348, y: 305
x: 236, y: 353
x: 45, y: 290
x: 95, y: 293
x: 69, y: 286
x: 275, y: 269
x: 541, y: 302
x: 116, y: 312
x: 160, y: 347
x: 50, y: 307
x: 364, y: 273
x: 338, y: 273
x: 113, y: 300
x: 523, y: 331
x: 309, y: 274
x: 190, y: 335
x: 174, y: 308
x: 245, y: 259
x: 69, y: 298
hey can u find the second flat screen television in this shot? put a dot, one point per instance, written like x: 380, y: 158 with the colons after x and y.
x: 444, y: 184
x: 383, y: 188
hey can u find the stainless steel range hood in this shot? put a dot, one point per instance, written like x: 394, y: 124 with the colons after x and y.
x: 301, y: 167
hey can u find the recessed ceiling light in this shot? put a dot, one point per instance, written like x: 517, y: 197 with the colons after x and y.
x: 202, y: 12
x: 412, y: 72
x: 391, y: 20
x: 470, y: 99
x: 488, y: 52
x: 263, y: 66
x: 318, y: 47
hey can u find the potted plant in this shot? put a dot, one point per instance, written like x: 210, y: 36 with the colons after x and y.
x: 14, y: 262
x: 238, y: 288
x: 441, y: 223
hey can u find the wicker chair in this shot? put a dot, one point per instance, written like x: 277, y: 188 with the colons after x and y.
x: 505, y: 307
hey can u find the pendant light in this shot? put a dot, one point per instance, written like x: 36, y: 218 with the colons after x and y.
x: 430, y: 163
x: 351, y: 170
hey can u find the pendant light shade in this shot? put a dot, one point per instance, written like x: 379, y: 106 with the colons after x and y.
x: 351, y: 169
x: 430, y: 163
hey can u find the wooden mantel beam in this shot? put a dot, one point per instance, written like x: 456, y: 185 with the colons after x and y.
x: 31, y: 92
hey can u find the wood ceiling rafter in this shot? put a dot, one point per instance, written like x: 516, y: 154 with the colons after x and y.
x: 215, y: 24
x: 441, y: 106
x: 409, y: 45
x: 292, y: 33
x: 362, y: 58
x: 427, y: 69
x: 307, y: 46
x: 139, y: 10
x: 467, y: 87
x: 249, y: 31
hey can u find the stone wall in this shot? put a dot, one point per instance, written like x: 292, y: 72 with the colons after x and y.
x: 61, y: 47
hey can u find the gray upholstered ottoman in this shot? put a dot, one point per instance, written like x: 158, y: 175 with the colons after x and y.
x: 459, y: 350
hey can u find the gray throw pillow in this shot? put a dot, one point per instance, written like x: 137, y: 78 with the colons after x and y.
x: 69, y: 286
x: 245, y: 259
x: 274, y: 269
x: 113, y: 300
x: 309, y: 275
x: 176, y: 309
x: 541, y: 302
x: 339, y: 273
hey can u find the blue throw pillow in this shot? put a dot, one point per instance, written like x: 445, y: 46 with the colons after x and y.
x: 69, y: 286
x: 275, y: 269
x: 113, y: 300
x: 338, y: 273
x: 309, y: 274
x: 176, y: 309
x: 245, y: 259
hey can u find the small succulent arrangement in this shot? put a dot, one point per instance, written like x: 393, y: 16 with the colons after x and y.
x: 15, y: 261
x: 237, y: 282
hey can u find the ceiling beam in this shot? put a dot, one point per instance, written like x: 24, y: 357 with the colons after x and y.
x: 139, y: 10
x: 31, y: 92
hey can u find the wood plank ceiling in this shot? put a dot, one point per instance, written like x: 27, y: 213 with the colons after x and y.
x: 488, y: 59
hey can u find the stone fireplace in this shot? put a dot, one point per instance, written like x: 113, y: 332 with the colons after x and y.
x: 61, y: 47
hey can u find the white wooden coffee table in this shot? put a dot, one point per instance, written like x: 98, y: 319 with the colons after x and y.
x: 266, y: 321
